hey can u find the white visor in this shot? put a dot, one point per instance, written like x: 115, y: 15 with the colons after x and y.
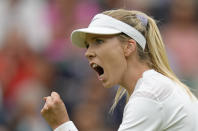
x: 105, y: 25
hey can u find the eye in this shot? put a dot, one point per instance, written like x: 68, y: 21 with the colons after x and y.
x: 86, y: 45
x: 99, y: 41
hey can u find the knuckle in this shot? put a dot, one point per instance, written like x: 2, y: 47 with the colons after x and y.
x: 50, y: 105
x: 56, y: 101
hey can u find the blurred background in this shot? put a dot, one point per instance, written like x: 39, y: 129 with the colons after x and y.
x: 36, y: 57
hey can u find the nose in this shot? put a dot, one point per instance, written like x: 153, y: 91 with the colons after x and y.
x: 90, y: 54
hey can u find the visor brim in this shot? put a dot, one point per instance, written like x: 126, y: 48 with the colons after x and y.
x: 78, y: 37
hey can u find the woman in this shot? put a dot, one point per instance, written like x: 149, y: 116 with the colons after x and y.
x: 126, y: 48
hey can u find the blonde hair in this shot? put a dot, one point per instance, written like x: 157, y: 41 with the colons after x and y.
x: 154, y: 53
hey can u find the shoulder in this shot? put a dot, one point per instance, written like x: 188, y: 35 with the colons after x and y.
x: 154, y: 86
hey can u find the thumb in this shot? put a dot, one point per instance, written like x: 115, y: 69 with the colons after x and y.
x: 55, y: 94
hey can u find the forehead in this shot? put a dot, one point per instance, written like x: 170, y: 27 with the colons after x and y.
x: 90, y: 37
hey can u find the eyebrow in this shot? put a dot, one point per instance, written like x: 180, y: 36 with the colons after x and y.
x: 93, y: 38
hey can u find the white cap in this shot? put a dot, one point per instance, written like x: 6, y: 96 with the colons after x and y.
x: 105, y: 25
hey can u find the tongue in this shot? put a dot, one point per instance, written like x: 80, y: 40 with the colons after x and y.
x: 100, y: 77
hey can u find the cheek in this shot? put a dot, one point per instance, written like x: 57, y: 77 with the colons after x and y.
x: 115, y: 64
x: 117, y: 67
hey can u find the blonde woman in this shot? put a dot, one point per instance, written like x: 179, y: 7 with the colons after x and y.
x: 125, y: 47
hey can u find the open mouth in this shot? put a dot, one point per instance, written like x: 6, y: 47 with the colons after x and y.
x: 98, y: 69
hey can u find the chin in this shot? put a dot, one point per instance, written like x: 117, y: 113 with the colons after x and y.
x: 107, y: 84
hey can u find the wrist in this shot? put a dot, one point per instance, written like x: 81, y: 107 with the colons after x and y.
x: 54, y: 126
x: 67, y: 126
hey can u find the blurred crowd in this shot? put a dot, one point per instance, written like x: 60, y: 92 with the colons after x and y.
x: 37, y: 57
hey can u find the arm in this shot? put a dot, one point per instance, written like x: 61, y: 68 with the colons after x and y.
x: 55, y: 113
x: 142, y: 114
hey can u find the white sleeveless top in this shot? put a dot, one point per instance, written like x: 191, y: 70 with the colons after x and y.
x: 157, y: 104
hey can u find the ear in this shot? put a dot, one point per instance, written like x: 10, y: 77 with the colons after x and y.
x: 129, y: 47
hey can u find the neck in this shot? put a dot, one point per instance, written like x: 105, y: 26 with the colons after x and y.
x: 132, y: 74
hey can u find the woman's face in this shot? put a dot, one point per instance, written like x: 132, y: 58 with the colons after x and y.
x: 106, y: 57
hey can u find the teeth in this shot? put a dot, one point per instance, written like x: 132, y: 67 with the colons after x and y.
x: 94, y: 65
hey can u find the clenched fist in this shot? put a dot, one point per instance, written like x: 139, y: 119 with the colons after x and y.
x: 54, y: 110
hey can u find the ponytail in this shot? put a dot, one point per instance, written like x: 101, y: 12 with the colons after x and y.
x: 158, y: 55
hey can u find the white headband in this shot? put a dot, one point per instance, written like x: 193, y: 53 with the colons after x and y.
x: 105, y: 25
x: 101, y: 20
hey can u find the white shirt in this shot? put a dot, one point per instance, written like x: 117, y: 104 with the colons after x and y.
x: 157, y: 104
